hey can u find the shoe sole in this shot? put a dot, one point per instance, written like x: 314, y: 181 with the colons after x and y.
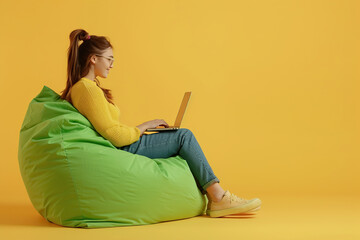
x: 255, y: 209
x: 250, y: 207
x: 248, y: 212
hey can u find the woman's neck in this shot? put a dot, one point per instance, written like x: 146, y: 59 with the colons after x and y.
x: 90, y: 76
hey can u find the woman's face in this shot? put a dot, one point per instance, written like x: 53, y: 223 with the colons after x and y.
x: 103, y: 63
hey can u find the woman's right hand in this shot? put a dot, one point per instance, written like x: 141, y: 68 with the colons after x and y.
x: 151, y: 124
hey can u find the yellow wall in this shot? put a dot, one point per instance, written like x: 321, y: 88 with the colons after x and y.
x: 275, y: 84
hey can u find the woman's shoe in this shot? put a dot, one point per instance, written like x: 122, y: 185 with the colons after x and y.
x: 232, y: 204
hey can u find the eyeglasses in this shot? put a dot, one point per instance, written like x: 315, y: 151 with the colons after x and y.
x: 109, y: 58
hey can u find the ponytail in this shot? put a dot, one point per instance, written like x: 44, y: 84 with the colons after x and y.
x: 78, y: 64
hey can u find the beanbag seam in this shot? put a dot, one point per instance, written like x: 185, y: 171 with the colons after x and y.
x: 70, y: 171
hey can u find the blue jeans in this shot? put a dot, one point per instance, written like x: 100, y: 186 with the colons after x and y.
x: 180, y: 142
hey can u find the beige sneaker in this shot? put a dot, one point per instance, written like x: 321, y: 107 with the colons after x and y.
x: 232, y: 204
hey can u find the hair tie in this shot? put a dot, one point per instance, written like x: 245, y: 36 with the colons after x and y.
x: 88, y: 37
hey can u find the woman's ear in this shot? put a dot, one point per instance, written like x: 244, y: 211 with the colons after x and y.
x: 93, y: 59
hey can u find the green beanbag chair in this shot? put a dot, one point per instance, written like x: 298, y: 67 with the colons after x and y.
x: 76, y: 178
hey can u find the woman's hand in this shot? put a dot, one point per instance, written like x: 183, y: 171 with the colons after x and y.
x: 151, y: 124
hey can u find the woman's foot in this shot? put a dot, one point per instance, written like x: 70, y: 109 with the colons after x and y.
x: 231, y: 204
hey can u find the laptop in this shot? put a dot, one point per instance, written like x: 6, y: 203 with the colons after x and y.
x: 179, y: 117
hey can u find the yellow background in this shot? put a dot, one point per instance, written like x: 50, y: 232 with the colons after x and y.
x: 275, y: 84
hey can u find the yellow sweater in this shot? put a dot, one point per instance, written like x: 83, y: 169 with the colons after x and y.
x: 90, y: 101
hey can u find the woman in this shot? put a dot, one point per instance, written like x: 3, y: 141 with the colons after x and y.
x: 94, y: 57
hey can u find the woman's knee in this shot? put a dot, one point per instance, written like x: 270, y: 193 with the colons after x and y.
x: 185, y: 131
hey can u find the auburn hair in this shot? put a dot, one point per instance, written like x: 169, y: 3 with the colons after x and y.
x: 78, y: 64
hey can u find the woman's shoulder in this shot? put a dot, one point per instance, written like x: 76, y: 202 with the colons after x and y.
x: 85, y: 87
x: 85, y: 83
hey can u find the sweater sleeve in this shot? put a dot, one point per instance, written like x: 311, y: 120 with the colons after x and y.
x: 90, y: 101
